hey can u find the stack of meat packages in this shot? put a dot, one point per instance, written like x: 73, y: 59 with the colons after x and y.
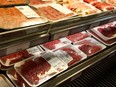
x: 105, y: 33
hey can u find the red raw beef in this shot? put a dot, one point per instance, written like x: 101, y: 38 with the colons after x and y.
x: 108, y: 32
x: 26, y: 54
x: 52, y: 13
x: 14, y: 57
x: 33, y: 70
x: 103, y: 6
x: 76, y: 57
x: 36, y: 2
x: 77, y: 37
x: 51, y: 45
x: 89, y: 48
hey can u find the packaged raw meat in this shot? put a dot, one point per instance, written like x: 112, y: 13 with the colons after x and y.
x: 107, y: 31
x: 4, y: 68
x: 112, y: 2
x: 103, y: 6
x: 70, y: 55
x: 108, y: 42
x: 55, y: 12
x: 89, y: 46
x: 37, y: 70
x: 11, y: 59
x: 91, y: 1
x: 24, y: 15
x: 16, y: 78
x: 82, y: 9
x: 52, y: 45
x: 75, y: 37
x: 33, y: 51
x: 5, y: 82
x: 13, y: 2
x: 39, y: 2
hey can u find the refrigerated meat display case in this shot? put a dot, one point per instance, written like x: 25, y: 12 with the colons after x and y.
x: 18, y: 39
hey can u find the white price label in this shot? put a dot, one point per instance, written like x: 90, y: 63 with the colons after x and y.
x: 61, y: 9
x: 54, y: 61
x: 34, y: 50
x: 18, y: 48
x: 27, y: 11
x: 64, y: 56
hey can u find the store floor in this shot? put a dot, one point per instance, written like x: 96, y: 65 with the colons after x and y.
x: 101, y: 75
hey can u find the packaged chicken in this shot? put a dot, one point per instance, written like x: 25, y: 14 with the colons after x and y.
x: 107, y: 31
x: 82, y: 9
x: 55, y: 44
x: 75, y: 37
x: 89, y: 46
x: 13, y: 2
x: 19, y: 16
x: 108, y: 42
x: 103, y: 6
x: 70, y: 55
x: 16, y: 78
x: 112, y: 2
x: 5, y: 82
x: 37, y: 70
x: 55, y: 12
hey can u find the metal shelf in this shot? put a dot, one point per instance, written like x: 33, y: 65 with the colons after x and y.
x: 76, y: 69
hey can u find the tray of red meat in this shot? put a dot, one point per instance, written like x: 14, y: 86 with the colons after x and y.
x: 11, y: 59
x: 55, y: 12
x: 75, y: 37
x: 55, y: 44
x: 107, y: 31
x: 16, y: 78
x: 38, y: 70
x: 5, y: 82
x: 89, y: 46
x: 108, y: 42
x: 4, y: 68
x: 33, y: 51
x: 39, y: 2
x: 19, y: 16
x: 70, y: 55
x: 82, y: 8
x: 91, y: 1
x: 103, y: 6
x: 13, y: 2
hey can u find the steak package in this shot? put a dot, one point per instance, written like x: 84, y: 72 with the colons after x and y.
x: 91, y: 1
x: 75, y: 37
x: 13, y: 2
x: 103, y: 6
x: 13, y: 58
x: 19, y: 16
x: 107, y: 31
x: 89, y: 46
x: 108, y: 42
x: 82, y: 8
x: 16, y: 78
x: 33, y: 51
x: 5, y: 82
x: 55, y: 44
x: 55, y: 12
x: 70, y: 55
x: 37, y: 70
